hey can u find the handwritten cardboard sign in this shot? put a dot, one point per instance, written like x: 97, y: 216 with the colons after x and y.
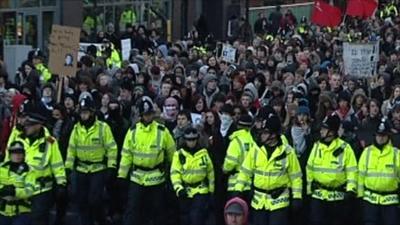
x: 63, y: 48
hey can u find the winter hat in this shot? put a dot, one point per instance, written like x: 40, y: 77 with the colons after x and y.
x: 163, y: 49
x: 250, y: 87
x: 245, y: 120
x: 208, y: 78
x: 232, y: 207
x: 203, y: 70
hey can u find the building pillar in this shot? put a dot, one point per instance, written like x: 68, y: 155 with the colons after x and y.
x: 72, y: 13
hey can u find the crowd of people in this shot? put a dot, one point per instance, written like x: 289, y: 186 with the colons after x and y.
x: 178, y: 135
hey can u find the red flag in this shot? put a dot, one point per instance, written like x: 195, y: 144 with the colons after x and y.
x: 370, y: 7
x: 361, y: 8
x: 325, y: 14
x: 355, y: 8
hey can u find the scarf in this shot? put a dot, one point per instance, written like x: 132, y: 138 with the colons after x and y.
x: 299, y: 141
x: 226, y: 122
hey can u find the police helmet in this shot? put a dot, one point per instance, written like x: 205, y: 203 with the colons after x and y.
x: 146, y: 105
x: 86, y: 103
x: 272, y: 124
x: 331, y: 122
x: 383, y: 127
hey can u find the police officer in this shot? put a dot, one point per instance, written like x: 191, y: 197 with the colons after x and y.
x: 43, y: 155
x: 92, y: 154
x: 240, y: 143
x: 389, y: 10
x: 331, y: 175
x: 378, y: 180
x: 148, y: 149
x: 38, y: 62
x: 274, y: 171
x: 192, y: 176
x: 16, y: 187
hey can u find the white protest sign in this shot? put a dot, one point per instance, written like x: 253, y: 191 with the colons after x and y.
x: 126, y: 48
x: 196, y: 118
x: 360, y: 60
x: 83, y: 48
x: 228, y: 53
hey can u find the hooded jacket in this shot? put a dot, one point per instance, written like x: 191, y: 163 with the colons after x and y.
x: 244, y: 206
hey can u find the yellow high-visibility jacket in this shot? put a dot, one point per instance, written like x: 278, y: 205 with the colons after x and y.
x: 23, y: 181
x: 239, y: 146
x: 91, y: 150
x: 379, y: 175
x: 331, y: 170
x: 44, y: 157
x: 270, y: 173
x: 195, y: 176
x: 145, y: 153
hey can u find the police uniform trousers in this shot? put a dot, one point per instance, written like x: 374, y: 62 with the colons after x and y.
x: 89, y: 189
x: 328, y: 212
x: 275, y: 217
x: 22, y: 219
x: 41, y: 205
x: 194, y: 211
x: 380, y: 214
x: 145, y: 205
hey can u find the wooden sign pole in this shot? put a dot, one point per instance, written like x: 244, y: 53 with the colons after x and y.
x: 60, y: 86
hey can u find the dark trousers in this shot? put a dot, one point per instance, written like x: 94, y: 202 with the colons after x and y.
x: 145, y: 205
x: 89, y: 197
x: 328, y: 213
x: 61, y: 204
x: 193, y: 211
x: 380, y: 214
x: 41, y: 205
x: 15, y: 220
x: 275, y: 217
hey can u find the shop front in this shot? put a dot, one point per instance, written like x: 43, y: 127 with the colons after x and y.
x: 28, y: 22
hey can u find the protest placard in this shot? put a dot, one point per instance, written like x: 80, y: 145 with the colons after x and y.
x: 126, y: 48
x: 228, y: 53
x: 196, y: 118
x: 83, y: 48
x: 360, y: 60
x: 63, y: 48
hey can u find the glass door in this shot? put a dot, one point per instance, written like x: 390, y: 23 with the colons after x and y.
x: 31, y: 28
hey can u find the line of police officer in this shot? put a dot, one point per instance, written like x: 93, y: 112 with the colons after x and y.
x: 267, y: 171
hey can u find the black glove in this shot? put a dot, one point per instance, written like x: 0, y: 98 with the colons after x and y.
x: 8, y: 190
x: 349, y: 195
x: 297, y: 204
x: 110, y: 174
x: 182, y: 194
